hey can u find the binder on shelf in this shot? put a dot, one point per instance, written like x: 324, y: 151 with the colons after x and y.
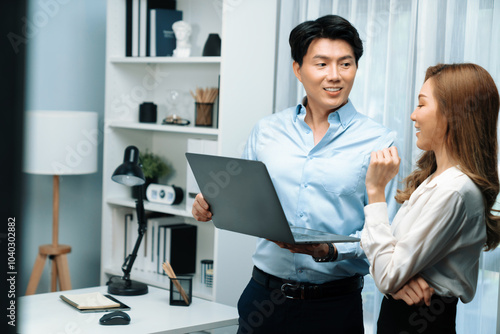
x: 127, y: 244
x: 153, y: 237
x: 135, y: 27
x: 154, y: 225
x: 128, y: 28
x: 147, y: 258
x: 143, y: 14
x: 162, y: 37
x: 177, y: 245
x: 149, y: 264
x: 203, y: 146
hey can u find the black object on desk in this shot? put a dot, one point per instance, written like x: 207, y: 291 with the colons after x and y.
x: 115, y: 318
x: 130, y: 174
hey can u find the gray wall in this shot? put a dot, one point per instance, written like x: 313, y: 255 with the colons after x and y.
x: 65, y: 71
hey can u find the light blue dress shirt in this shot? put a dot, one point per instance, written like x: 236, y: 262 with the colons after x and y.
x: 320, y: 186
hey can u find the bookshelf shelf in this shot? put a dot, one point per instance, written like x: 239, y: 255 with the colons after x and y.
x: 148, y: 206
x: 189, y: 129
x: 165, y: 60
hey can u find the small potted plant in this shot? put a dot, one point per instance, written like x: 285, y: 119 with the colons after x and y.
x: 153, y: 167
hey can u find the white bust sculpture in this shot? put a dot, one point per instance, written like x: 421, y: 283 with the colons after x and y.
x: 182, y: 31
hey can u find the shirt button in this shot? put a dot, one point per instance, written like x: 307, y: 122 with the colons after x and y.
x: 306, y: 185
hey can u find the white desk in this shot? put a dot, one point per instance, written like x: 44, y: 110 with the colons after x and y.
x: 150, y: 313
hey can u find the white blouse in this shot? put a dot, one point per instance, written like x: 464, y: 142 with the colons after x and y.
x: 438, y: 233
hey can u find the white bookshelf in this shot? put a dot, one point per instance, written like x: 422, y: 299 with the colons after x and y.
x: 246, y: 71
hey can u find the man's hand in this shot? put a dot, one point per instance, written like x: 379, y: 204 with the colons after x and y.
x: 201, y: 209
x: 315, y: 250
x: 415, y: 292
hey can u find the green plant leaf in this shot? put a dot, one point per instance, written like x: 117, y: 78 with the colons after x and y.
x: 153, y: 166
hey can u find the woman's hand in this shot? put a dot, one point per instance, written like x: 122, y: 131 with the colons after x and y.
x: 415, y: 292
x: 384, y: 165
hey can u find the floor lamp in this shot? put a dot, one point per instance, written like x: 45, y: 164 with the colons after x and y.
x: 58, y: 143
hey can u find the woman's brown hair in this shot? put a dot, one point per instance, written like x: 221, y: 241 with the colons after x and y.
x: 468, y: 97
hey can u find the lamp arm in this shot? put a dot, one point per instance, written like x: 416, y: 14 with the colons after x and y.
x: 129, y: 261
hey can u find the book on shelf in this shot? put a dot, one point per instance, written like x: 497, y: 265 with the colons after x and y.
x: 137, y: 24
x: 162, y: 37
x: 132, y: 28
x: 152, y: 239
x: 128, y: 28
x: 155, y: 4
x: 143, y: 14
x: 145, y: 260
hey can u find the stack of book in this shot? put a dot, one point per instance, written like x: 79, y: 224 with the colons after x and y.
x: 167, y: 239
x: 149, y: 27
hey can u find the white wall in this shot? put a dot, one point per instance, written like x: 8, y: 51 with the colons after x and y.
x: 247, y: 95
x: 65, y: 71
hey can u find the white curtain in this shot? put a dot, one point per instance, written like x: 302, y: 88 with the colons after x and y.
x: 401, y: 39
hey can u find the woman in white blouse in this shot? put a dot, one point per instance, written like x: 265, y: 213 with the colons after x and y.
x: 446, y: 218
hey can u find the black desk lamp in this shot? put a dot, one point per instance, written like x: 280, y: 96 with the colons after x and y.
x: 130, y: 174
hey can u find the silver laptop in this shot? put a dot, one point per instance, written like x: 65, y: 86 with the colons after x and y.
x: 242, y: 199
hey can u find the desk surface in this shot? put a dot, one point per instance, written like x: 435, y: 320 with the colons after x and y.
x: 149, y: 313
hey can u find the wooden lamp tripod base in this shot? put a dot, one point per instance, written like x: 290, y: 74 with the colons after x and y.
x: 55, y: 252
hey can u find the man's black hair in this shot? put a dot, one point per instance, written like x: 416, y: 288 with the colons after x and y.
x: 328, y: 26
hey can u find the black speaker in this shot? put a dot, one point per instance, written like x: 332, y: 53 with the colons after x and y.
x: 147, y: 112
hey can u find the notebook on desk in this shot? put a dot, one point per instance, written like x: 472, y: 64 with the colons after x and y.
x: 94, y: 302
x: 242, y: 199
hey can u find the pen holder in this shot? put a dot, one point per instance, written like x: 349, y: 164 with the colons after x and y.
x: 181, y: 291
x: 203, y: 113
x: 207, y: 272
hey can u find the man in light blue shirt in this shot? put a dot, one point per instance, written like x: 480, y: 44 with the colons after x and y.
x: 320, y: 186
x: 317, y: 154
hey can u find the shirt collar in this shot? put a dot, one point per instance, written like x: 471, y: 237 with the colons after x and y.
x: 445, y: 176
x: 345, y: 113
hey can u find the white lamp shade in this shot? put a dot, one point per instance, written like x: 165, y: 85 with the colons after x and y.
x: 60, y: 142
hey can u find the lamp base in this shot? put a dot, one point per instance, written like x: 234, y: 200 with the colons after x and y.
x: 127, y: 288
